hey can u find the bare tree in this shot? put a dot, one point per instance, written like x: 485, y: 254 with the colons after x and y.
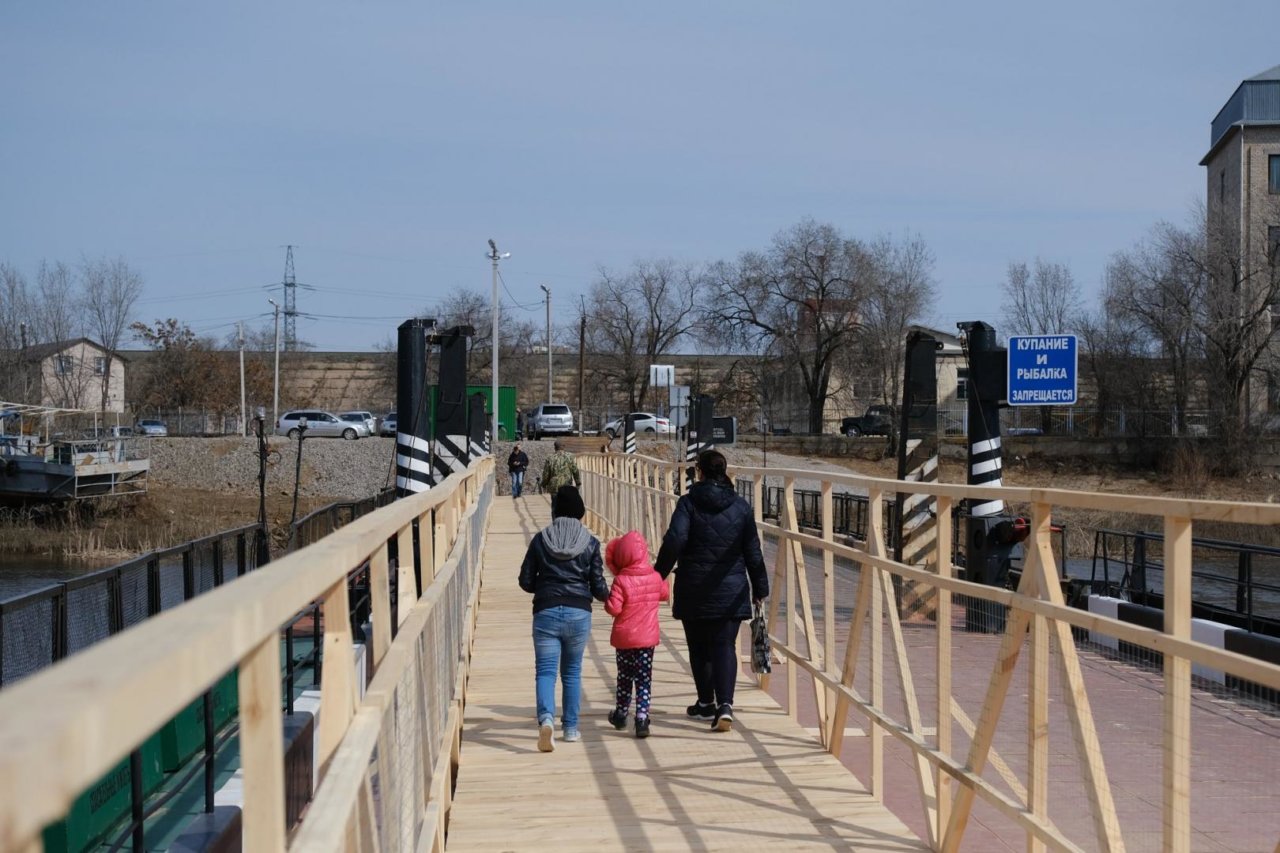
x: 15, y: 317
x: 901, y: 290
x: 60, y: 316
x: 803, y: 297
x: 637, y: 316
x: 111, y: 287
x: 1115, y: 354
x: 1041, y: 300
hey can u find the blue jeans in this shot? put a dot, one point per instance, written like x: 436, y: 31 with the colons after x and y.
x: 559, y: 638
x: 517, y: 483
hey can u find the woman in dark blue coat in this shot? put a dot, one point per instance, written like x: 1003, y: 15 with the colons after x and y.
x: 713, y: 545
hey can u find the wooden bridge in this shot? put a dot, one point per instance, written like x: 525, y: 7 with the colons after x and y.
x: 1068, y: 731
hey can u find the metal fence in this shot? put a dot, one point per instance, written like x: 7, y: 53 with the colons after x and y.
x: 323, y: 521
x: 196, y: 422
x: 45, y: 626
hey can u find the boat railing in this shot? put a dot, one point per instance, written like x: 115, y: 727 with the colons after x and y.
x: 1233, y: 582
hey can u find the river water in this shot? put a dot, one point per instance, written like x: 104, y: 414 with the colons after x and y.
x: 23, y: 573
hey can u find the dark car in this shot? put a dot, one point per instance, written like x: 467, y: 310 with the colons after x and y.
x: 877, y: 421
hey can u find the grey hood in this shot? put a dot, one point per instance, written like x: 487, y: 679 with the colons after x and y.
x: 566, y: 537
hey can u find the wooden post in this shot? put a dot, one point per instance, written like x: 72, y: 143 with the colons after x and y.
x: 337, y: 684
x: 1038, y: 729
x: 875, y: 542
x: 1177, y: 687
x: 785, y: 558
x: 380, y: 606
x: 943, y: 562
x: 262, y: 748
x: 406, y: 584
x: 828, y: 590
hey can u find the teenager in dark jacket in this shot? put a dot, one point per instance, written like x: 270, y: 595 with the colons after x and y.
x: 517, y: 464
x: 564, y: 571
x: 714, y: 547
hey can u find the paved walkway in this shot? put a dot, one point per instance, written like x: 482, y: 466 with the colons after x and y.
x: 766, y: 784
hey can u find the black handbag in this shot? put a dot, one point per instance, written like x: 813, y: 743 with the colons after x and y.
x: 760, y: 654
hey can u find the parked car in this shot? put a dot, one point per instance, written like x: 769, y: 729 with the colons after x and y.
x: 549, y: 419
x: 151, y: 427
x: 369, y: 420
x: 878, y: 420
x: 644, y: 422
x: 359, y: 420
x: 388, y: 425
x: 319, y: 424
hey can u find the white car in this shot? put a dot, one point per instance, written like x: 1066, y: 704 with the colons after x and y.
x: 549, y: 419
x: 644, y: 422
x: 369, y: 420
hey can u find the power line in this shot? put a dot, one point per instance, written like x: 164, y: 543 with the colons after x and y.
x: 514, y: 301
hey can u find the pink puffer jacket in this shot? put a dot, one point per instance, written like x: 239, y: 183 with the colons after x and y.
x: 637, y: 591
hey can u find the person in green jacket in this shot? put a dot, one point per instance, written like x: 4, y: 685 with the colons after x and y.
x: 559, y: 470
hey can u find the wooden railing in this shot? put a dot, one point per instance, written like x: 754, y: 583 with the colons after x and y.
x: 968, y: 741
x: 61, y: 730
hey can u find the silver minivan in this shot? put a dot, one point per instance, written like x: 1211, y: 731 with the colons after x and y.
x: 549, y: 419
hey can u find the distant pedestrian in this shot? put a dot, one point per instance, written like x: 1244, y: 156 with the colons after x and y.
x: 563, y: 570
x: 519, y: 424
x: 517, y: 464
x: 714, y: 547
x: 559, y: 470
x: 633, y: 603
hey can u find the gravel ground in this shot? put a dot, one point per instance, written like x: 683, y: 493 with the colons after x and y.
x: 331, y: 468
x: 348, y: 470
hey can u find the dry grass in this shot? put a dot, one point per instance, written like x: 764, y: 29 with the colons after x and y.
x: 121, y: 529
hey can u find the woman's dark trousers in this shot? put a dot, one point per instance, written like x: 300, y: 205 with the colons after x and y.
x: 713, y: 655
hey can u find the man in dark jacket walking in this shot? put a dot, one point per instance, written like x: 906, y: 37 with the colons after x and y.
x: 517, y: 464
x: 713, y: 539
x: 564, y: 571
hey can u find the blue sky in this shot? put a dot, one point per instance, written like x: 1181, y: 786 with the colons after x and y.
x: 388, y: 141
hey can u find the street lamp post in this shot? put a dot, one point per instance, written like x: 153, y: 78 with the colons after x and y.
x: 547, y: 291
x: 495, y: 257
x: 275, y: 399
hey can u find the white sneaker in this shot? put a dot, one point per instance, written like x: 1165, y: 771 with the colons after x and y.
x: 546, y: 737
x: 571, y: 736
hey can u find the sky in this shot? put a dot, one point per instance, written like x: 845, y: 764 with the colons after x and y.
x: 388, y: 141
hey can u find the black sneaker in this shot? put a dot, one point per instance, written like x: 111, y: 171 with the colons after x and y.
x: 642, y: 727
x: 619, y: 720
x: 701, y: 711
x: 723, y: 719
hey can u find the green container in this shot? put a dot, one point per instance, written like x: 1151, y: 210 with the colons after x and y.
x: 104, y: 803
x: 506, y: 407
x: 183, y: 736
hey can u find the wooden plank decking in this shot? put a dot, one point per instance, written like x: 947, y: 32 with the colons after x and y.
x: 765, y: 784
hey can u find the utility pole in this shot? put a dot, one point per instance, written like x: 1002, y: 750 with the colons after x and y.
x: 22, y: 361
x: 244, y: 423
x: 290, y: 285
x: 495, y: 257
x: 275, y: 399
x: 582, y: 361
x: 547, y: 291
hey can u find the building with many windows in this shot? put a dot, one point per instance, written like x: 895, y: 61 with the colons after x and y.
x: 1243, y: 166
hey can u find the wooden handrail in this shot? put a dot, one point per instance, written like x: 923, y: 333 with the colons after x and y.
x: 637, y: 492
x: 62, y: 729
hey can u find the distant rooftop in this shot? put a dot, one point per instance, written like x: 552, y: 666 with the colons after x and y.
x: 1255, y: 101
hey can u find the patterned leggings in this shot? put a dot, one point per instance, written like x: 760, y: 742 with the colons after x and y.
x: 635, y: 665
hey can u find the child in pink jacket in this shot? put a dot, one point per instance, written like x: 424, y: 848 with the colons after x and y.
x: 633, y: 604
